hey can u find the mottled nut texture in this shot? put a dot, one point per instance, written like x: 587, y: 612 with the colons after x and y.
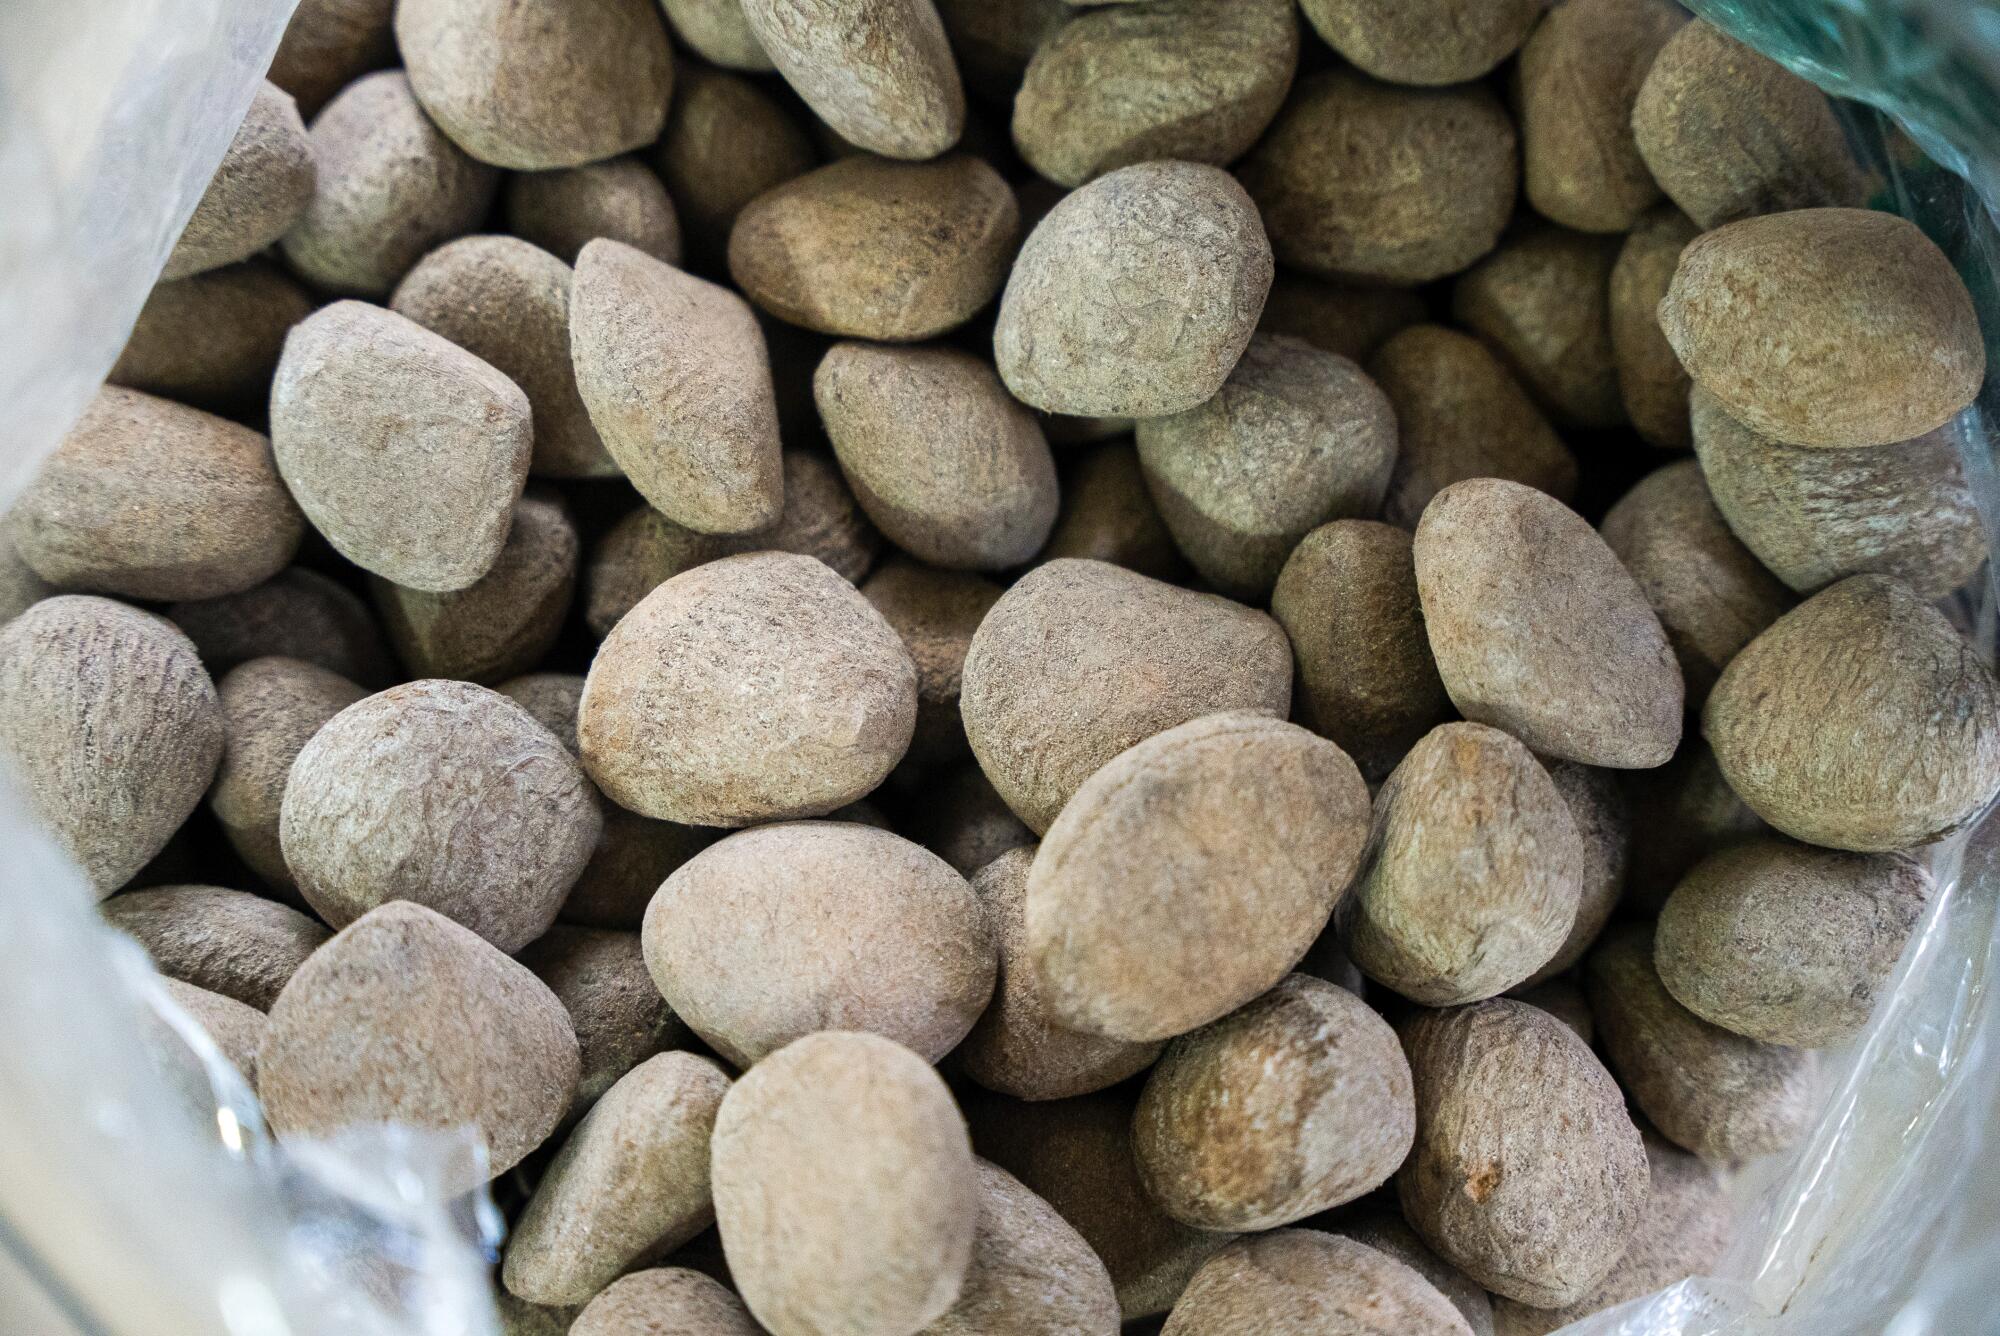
x: 1543, y: 302
x: 111, y: 726
x: 444, y: 794
x: 564, y: 210
x: 1461, y: 414
x: 1860, y: 720
x: 1295, y: 437
x: 1386, y: 1232
x: 1296, y: 1103
x: 1681, y: 812
x: 1425, y: 42
x: 1651, y: 381
x: 1108, y: 515
x: 296, y: 614
x: 1533, y: 1207
x: 407, y: 1017
x: 533, y: 87
x: 870, y: 249
x: 1816, y: 516
x: 1474, y: 874
x: 330, y: 43
x: 678, y: 383
x: 1729, y: 133
x: 551, y: 699
x: 271, y: 707
x: 1349, y: 321
x: 936, y: 613
x: 620, y: 1018
x: 391, y: 187
x: 229, y: 942
x: 1300, y: 1282
x: 264, y: 183
x: 1185, y: 79
x: 1711, y: 594
x: 787, y: 929
x: 945, y: 462
x: 1787, y: 943
x: 149, y: 499
x: 718, y: 32
x: 1364, y: 181
x: 1712, y: 1092
x: 754, y: 688
x: 1136, y: 295
x: 213, y: 340
x: 237, y: 1030
x: 1603, y: 818
x: 1030, y: 1270
x: 630, y: 1185
x: 845, y: 1189
x: 1539, y: 630
x: 727, y: 142
x: 407, y: 452
x: 1826, y: 327
x: 1578, y: 77
x: 666, y: 1301
x: 879, y: 72
x: 1191, y: 873
x: 1080, y: 659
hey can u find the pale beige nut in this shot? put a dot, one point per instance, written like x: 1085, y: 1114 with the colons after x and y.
x: 213, y: 340
x: 1826, y: 327
x: 1651, y: 381
x: 845, y: 1189
x: 329, y: 44
x: 1136, y: 295
x: 1604, y: 828
x: 1363, y: 181
x: 407, y: 1017
x: 1542, y: 300
x: 1534, y: 1208
x: 1191, y: 873
x: 620, y: 1018
x: 796, y: 927
x: 237, y: 1030
x: 1348, y: 321
x: 264, y: 183
x: 880, y: 73
x: 963, y: 820
x: 1426, y: 42
x: 1860, y: 720
x: 564, y: 210
x: 1108, y: 515
x: 936, y: 613
x: 727, y: 142
x: 718, y: 32
x: 1300, y: 1282
x: 995, y: 41
x: 1475, y: 869
x: 405, y: 451
x: 666, y: 1301
x: 1295, y: 437
x: 296, y: 614
x: 1079, y: 660
x: 1387, y: 1232
x: 444, y: 794
x: 230, y: 942
x: 1681, y: 812
x: 111, y: 727
x: 1786, y: 943
x: 1030, y: 1271
x: 391, y: 188
x: 150, y: 499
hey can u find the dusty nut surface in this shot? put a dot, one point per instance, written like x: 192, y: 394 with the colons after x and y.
x: 1300, y: 1282
x: 936, y: 613
x: 264, y: 183
x: 230, y: 942
x: 1543, y: 302
x: 563, y: 211
x: 296, y: 614
x: 666, y: 1299
x: 1426, y: 42
x: 880, y: 73
x: 727, y: 141
x: 1387, y: 1232
x: 1651, y: 381
x: 1108, y: 515
x: 212, y: 340
x: 599, y: 975
x: 1030, y: 1270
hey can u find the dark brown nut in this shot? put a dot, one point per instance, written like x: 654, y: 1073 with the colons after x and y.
x: 236, y: 1030
x: 1788, y: 944
x: 718, y: 32
x: 213, y: 340
x: 1300, y: 1282
x: 790, y: 928
x: 1136, y: 295
x: 1292, y: 1105
x: 1718, y: 1094
x: 1651, y: 381
x: 262, y: 187
x: 331, y: 43
x: 964, y: 821
x: 271, y: 707
x: 1680, y: 813
x: 1108, y: 515
x: 551, y: 698
x: 1295, y: 437
x: 727, y: 142
x: 1426, y: 42
x: 936, y: 614
x: 1563, y: 999
x: 1538, y: 630
x: 296, y: 614
x: 533, y: 88
x: 564, y: 210
x: 229, y: 942
x: 406, y: 451
x: 1534, y: 1208
x: 1359, y: 180
x: 670, y: 1300
x: 1542, y: 300
x: 20, y: 587
x: 1578, y: 77
x: 755, y: 688
x: 391, y: 187
x: 519, y: 1318
x: 1191, y: 873
x: 1185, y: 79
x: 844, y: 1188
x: 995, y: 41
x: 1729, y: 132
x: 1860, y: 720
x: 878, y: 72
x: 1711, y: 594
x: 944, y: 461
x: 1347, y: 598
x: 407, y: 1017
x: 634, y: 854
x: 147, y: 498
x: 1030, y: 1270
x: 1460, y: 414
x: 1387, y: 1233
x: 1347, y: 321
x: 1604, y: 826
x: 629, y: 1186
x: 1826, y: 327
x: 1817, y: 516
x: 1016, y: 1048
x: 112, y: 728
x: 1079, y: 660
x: 620, y: 1018
x: 1475, y: 869
x: 443, y: 794
x: 504, y: 622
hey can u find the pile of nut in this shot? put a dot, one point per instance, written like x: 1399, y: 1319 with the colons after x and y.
x: 933, y: 734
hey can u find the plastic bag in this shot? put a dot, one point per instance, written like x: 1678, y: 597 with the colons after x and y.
x: 140, y: 1199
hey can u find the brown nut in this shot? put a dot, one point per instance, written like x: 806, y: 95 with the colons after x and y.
x: 213, y: 340
x: 1030, y: 1271
x: 620, y: 1018
x: 718, y: 32
x: 964, y: 821
x: 936, y: 613
x: 1426, y: 42
x: 1349, y: 322
x: 878, y: 72
x: 239, y: 945
x: 727, y: 142
x: 1300, y: 1282
x: 296, y: 614
x: 330, y: 43
x: 564, y: 210
x: 1563, y: 999
x: 1681, y: 812
x: 236, y: 1030
x: 264, y: 183
x: 1651, y: 381
x: 1387, y: 1232
x: 1108, y: 515
x: 995, y: 42
x: 1604, y: 826
x: 1542, y: 300
x: 666, y: 1299
x: 20, y: 587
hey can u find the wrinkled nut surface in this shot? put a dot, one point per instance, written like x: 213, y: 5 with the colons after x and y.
x: 1387, y: 1232
x: 936, y: 613
x: 213, y: 340
x: 671, y: 1300
x: 880, y: 73
x: 264, y: 183
x: 1300, y: 1282
x: 1651, y: 381
x: 1108, y: 515
x: 1030, y: 1270
x: 230, y: 942
x: 1603, y: 819
x: 564, y: 210
x: 296, y: 614
x: 620, y: 1018
x: 1425, y: 42
x: 1542, y: 300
